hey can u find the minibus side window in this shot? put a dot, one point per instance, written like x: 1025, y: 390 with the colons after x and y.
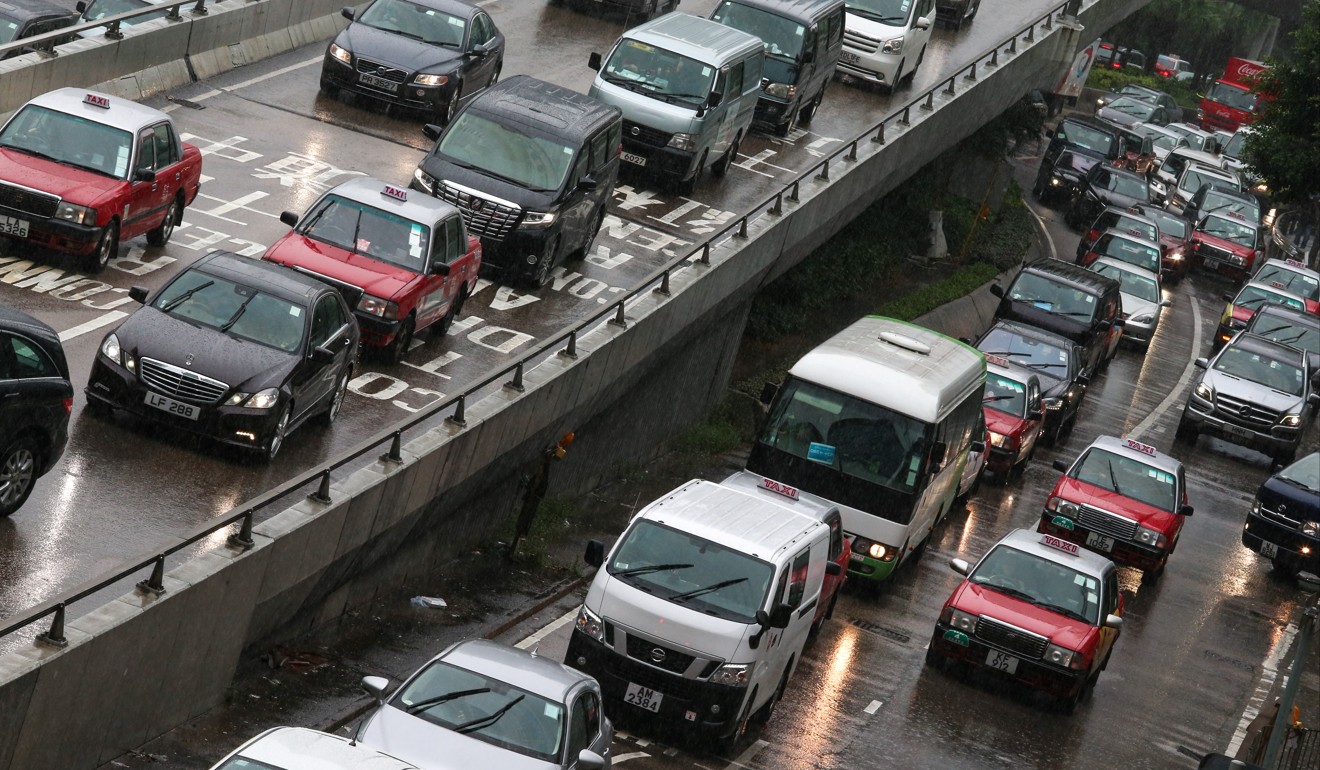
x: 733, y: 80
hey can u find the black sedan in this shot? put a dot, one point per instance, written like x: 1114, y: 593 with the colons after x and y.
x: 1106, y: 186
x: 428, y: 55
x: 1057, y: 360
x: 232, y: 348
x: 1062, y: 179
x: 35, y: 401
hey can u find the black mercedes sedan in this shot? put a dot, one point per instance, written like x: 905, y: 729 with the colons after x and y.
x: 236, y: 349
x: 35, y: 401
x: 427, y: 55
x: 1057, y: 360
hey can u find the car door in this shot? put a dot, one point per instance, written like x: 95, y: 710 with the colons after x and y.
x: 1034, y: 407
x: 586, y: 728
x: 578, y: 204
x: 169, y: 166
x: 139, y: 210
x: 479, y: 70
x: 31, y: 388
x: 313, y: 380
x: 445, y: 271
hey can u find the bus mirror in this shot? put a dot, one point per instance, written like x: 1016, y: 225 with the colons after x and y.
x: 768, y: 392
x: 595, y: 555
x: 937, y: 451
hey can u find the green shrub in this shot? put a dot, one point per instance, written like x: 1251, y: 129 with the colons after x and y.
x: 710, y: 439
x: 961, y: 283
x: 1103, y: 79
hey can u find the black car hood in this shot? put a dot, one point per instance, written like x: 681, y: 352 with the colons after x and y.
x: 397, y: 50
x: 1302, y: 504
x: 244, y: 365
x: 441, y: 167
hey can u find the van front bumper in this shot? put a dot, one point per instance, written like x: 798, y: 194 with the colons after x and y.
x: 874, y: 67
x: 667, y: 161
x: 1288, y: 543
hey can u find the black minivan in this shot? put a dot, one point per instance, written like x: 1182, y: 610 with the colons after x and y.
x: 1068, y: 300
x: 803, y: 40
x: 532, y: 166
x: 35, y: 401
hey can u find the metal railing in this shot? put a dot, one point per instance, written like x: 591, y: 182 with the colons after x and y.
x: 45, y: 43
x: 657, y: 284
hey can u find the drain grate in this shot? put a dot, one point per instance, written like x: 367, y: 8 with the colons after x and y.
x: 888, y: 633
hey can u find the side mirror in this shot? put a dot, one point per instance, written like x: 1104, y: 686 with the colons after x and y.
x: 1185, y: 510
x: 586, y: 184
x: 432, y: 131
x: 439, y: 268
x: 937, y: 452
x: 808, y: 57
x: 80, y: 6
x: 480, y: 50
x: 375, y: 685
x: 1113, y: 621
x: 321, y: 355
x: 138, y: 294
x: 1202, y: 363
x: 289, y: 218
x: 590, y: 760
x: 781, y: 615
x: 977, y: 446
x: 1083, y: 379
x: 714, y: 100
x: 1049, y: 132
x: 997, y: 290
x: 1060, y: 466
x: 768, y: 392
x: 595, y: 554
x: 348, y: 13
x: 960, y: 566
x: 144, y: 175
x: 593, y: 61
x: 833, y: 568
x: 923, y: 23
x: 1166, y: 303
x: 1313, y: 399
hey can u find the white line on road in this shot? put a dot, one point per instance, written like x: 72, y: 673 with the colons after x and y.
x: 630, y: 755
x: 1269, y: 671
x: 549, y: 629
x: 1054, y: 252
x: 747, y: 755
x: 245, y: 83
x: 92, y: 325
x: 1176, y: 393
x: 873, y: 707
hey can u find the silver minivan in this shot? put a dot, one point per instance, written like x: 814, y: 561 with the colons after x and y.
x: 688, y: 88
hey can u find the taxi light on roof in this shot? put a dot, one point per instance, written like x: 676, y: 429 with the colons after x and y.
x: 780, y: 489
x: 1140, y: 447
x: 997, y: 360
x: 1293, y: 262
x: 1062, y: 545
x: 1277, y: 285
x: 396, y: 193
x: 905, y: 342
x: 97, y: 100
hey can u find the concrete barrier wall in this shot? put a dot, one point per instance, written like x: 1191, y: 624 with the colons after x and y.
x: 140, y: 665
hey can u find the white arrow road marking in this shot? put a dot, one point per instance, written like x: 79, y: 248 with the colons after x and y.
x: 550, y: 628
x: 92, y: 325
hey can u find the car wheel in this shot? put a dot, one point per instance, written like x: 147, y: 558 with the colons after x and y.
x: 161, y: 235
x: 18, y: 472
x: 451, y: 107
x: 686, y: 186
x: 730, y: 743
x: 898, y: 79
x: 1154, y: 573
x: 276, y: 438
x: 1068, y: 704
x: 782, y: 129
x: 106, y: 249
x: 442, y: 328
x: 976, y: 6
x: 495, y: 76
x: 768, y: 710
x: 397, y: 349
x: 721, y: 166
x: 585, y: 251
x: 543, y: 271
x: 807, y: 113
x: 1186, y: 432
x: 336, y: 404
x: 936, y: 659
x: 97, y: 408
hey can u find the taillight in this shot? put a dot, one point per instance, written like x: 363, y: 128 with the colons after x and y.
x: 68, y: 405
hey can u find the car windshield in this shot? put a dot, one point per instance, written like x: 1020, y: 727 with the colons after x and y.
x: 659, y: 73
x: 1042, y: 582
x: 1216, y: 200
x: 527, y: 160
x: 1169, y: 224
x: 1137, y: 227
x: 1195, y: 139
x: 99, y: 9
x: 70, y: 140
x: 1053, y: 297
x: 1130, y: 106
x: 1131, y: 283
x: 485, y: 708
x: 8, y: 29
x: 1305, y: 472
x: 1278, y: 375
x: 1125, y: 184
x: 855, y: 437
x: 1128, y: 477
x: 1233, y: 149
x: 1005, y: 395
x: 1232, y: 96
x: 1194, y: 178
x: 891, y: 12
x: 781, y: 35
x: 1129, y: 251
x: 1222, y: 227
x: 1253, y: 296
x: 1304, y: 336
x: 366, y: 230
x: 1042, y: 357
x: 689, y: 570
x: 241, y: 311
x: 1291, y: 281
x: 419, y: 22
x: 1074, y: 162
x: 1092, y: 139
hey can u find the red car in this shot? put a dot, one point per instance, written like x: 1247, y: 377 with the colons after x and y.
x: 1037, y: 609
x: 1013, y: 416
x: 1293, y: 277
x: 1122, y: 499
x: 403, y: 261
x: 1175, y: 239
x: 1226, y: 243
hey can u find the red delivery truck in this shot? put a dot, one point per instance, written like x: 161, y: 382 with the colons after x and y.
x: 1230, y: 102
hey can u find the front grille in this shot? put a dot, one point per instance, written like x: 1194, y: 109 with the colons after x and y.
x: 645, y: 134
x: 1215, y: 253
x: 28, y: 201
x: 1106, y: 523
x: 673, y: 661
x: 182, y: 384
x: 484, y: 216
x: 860, y: 42
x: 1244, y: 413
x: 1280, y: 518
x: 1005, y: 637
x: 392, y: 74
x: 646, y: 676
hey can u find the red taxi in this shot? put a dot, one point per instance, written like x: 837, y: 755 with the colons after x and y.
x: 1122, y: 499
x: 404, y: 263
x: 1013, y: 416
x: 1237, y: 314
x: 1226, y: 243
x: 1293, y: 277
x: 81, y: 171
x: 1037, y: 609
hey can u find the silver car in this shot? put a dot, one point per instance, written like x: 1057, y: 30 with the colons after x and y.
x: 484, y: 705
x: 297, y: 748
x: 1143, y: 299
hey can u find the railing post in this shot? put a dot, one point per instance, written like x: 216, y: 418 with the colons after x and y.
x: 852, y: 152
x: 243, y: 540
x: 929, y: 104
x: 457, y: 417
x: 174, y: 14
x: 705, y: 253
x: 322, y: 493
x: 793, y: 192
x: 879, y: 137
x: 619, y: 319
x: 778, y: 208
x: 1012, y: 47
x: 824, y: 170
x: 1031, y: 33
x: 950, y: 90
x: 200, y: 8
x: 571, y: 350
x: 517, y: 382
x: 906, y: 120
x: 1049, y: 21
x: 971, y: 72
x: 55, y: 636
x: 395, y: 453
x: 994, y: 58
x: 154, y: 585
x: 112, y: 31
x: 742, y: 228
x: 663, y: 288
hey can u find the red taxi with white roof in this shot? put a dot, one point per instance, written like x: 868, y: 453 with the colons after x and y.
x: 1036, y: 608
x: 404, y: 262
x: 81, y: 171
x: 1293, y: 277
x: 1123, y: 499
x: 1014, y: 416
x: 1237, y: 314
x: 1226, y: 243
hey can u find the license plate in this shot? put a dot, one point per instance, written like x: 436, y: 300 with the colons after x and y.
x: 856, y: 557
x: 173, y: 407
x: 378, y: 82
x: 1236, y: 432
x: 848, y: 58
x: 634, y: 159
x: 643, y: 698
x: 12, y: 226
x: 1268, y: 550
x: 1100, y: 542
x: 1001, y: 661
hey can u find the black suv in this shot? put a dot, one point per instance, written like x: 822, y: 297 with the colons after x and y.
x: 35, y: 401
x: 1057, y: 360
x: 1290, y: 326
x: 21, y: 19
x: 532, y: 166
x: 1106, y: 186
x: 1283, y: 524
x: 1089, y: 141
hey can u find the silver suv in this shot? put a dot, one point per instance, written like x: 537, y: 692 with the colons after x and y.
x: 1255, y: 392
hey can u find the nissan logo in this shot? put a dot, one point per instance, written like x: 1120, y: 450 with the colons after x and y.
x: 634, y: 130
x: 657, y: 655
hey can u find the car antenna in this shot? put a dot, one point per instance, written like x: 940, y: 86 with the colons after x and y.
x: 534, y: 649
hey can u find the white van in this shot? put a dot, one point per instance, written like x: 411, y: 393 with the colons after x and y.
x: 884, y: 41
x: 699, y: 614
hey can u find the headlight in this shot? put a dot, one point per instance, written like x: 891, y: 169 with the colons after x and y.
x: 1052, y: 403
x: 1291, y: 420
x: 780, y: 90
x: 1144, y: 318
x: 1176, y: 255
x: 72, y: 212
x: 431, y: 80
x: 881, y: 551
x: 1055, y: 181
x: 894, y: 46
x: 962, y: 621
x: 1204, y: 391
x: 590, y: 624
x: 997, y: 439
x: 682, y: 141
x: 1063, y: 507
x: 382, y: 308
x: 1062, y: 656
x: 341, y: 53
x: 1311, y: 528
x: 1150, y: 537
x: 110, y: 349
x: 733, y: 674
x: 263, y: 399
x: 424, y: 180
x: 538, y: 219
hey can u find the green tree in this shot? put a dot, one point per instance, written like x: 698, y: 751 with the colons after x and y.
x: 1285, y: 147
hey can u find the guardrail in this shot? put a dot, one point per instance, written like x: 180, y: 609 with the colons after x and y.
x: 45, y: 43
x: 565, y: 344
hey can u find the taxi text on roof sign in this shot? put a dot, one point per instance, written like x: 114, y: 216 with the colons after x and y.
x: 1277, y: 285
x: 1062, y: 545
x: 779, y: 489
x: 997, y: 360
x: 1140, y: 447
x: 97, y: 100
x: 1293, y: 262
x: 395, y: 192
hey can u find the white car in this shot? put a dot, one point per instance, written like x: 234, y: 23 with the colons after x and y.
x: 297, y: 748
x: 1143, y: 299
x: 884, y: 41
x: 1197, y: 139
x: 1164, y: 139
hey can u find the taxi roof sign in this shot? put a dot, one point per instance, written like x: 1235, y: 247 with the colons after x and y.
x: 1277, y: 285
x: 1140, y: 447
x: 780, y: 489
x: 396, y: 193
x: 997, y: 360
x: 97, y: 100
x: 1059, y: 544
x: 1294, y: 263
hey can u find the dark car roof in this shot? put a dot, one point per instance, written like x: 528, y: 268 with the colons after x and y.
x: 39, y: 331
x: 1033, y: 332
x: 550, y: 108
x: 452, y: 7
x: 807, y: 9
x: 1294, y: 316
x: 1122, y: 172
x: 1278, y: 351
x: 27, y: 9
x: 1078, y: 277
x: 1092, y: 122
x: 271, y: 278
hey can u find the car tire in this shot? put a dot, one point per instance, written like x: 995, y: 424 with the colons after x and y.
x: 439, y: 330
x: 161, y: 235
x: 898, y: 78
x: 585, y: 251
x: 721, y: 166
x: 936, y: 659
x: 18, y: 473
x: 397, y: 349
x: 729, y: 744
x: 107, y: 248
x: 1068, y: 704
x: 807, y: 113
x: 451, y: 107
x: 270, y: 448
x: 767, y: 711
x: 336, y: 402
x: 97, y: 408
x: 686, y: 186
x: 495, y: 76
x: 543, y: 271
x: 1186, y: 432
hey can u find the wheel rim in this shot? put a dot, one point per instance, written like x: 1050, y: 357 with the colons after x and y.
x: 337, y: 400
x: 277, y: 438
x: 494, y: 78
x: 16, y: 476
x: 167, y: 227
x: 402, y: 340
x: 451, y: 107
x: 105, y: 247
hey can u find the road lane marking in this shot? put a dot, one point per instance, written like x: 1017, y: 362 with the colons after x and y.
x: 1269, y: 671
x: 1186, y: 377
x: 246, y: 83
x: 1054, y: 253
x: 873, y: 707
x: 747, y: 755
x: 630, y: 755
x: 92, y: 325
x: 550, y: 628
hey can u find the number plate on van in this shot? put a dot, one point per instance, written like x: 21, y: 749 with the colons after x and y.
x: 643, y: 697
x: 848, y: 58
x: 634, y: 159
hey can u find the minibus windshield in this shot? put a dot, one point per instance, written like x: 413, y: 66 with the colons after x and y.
x: 658, y: 73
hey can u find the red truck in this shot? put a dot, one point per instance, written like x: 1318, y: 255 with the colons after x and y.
x: 80, y: 171
x: 1230, y: 102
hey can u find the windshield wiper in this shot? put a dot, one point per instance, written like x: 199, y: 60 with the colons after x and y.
x: 1113, y: 478
x: 869, y: 14
x: 1074, y: 614
x: 422, y: 705
x: 708, y: 589
x: 184, y: 297
x: 1015, y: 593
x: 489, y: 719
x: 650, y: 568
x: 233, y: 319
